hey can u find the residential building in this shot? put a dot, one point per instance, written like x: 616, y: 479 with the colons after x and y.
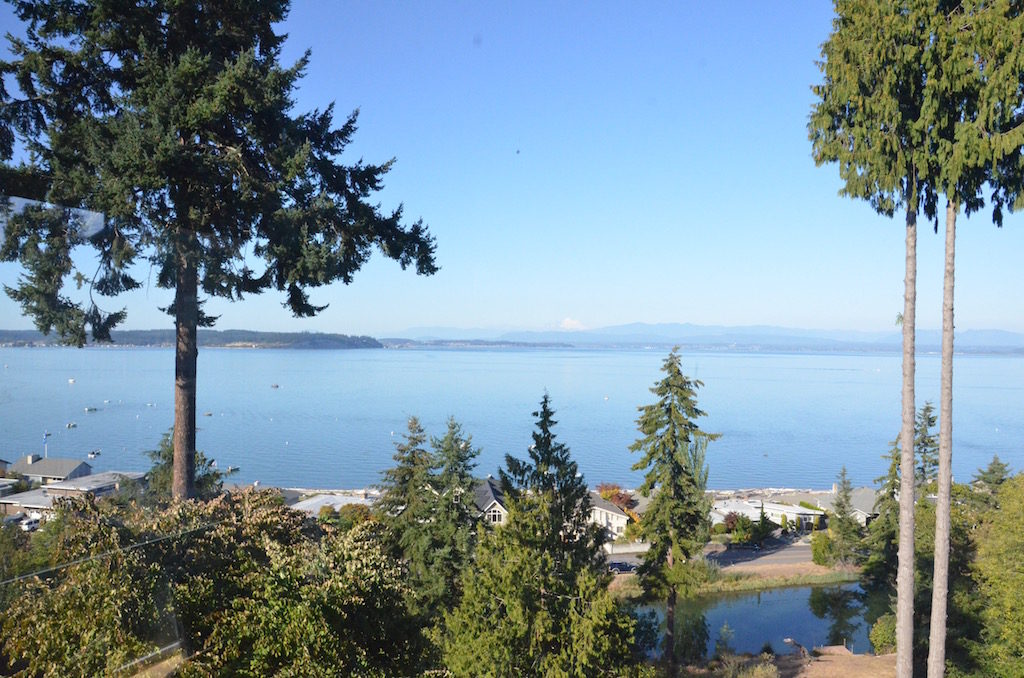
x: 797, y: 516
x: 490, y: 500
x: 45, y: 470
x: 41, y: 499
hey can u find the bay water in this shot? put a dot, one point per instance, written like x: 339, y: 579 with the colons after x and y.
x: 330, y: 419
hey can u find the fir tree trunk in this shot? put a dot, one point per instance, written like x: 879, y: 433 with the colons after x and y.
x: 905, y: 556
x: 670, y: 631
x: 186, y: 322
x: 940, y: 579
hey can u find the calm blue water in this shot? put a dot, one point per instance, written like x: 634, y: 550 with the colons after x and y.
x: 812, y: 616
x: 786, y: 420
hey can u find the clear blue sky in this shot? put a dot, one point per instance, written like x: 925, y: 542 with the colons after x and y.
x: 591, y: 164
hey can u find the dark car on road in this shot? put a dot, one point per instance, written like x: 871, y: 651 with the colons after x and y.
x: 621, y: 568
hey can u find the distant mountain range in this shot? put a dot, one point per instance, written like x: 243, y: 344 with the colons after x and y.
x: 739, y: 338
x: 751, y: 338
x: 206, y: 338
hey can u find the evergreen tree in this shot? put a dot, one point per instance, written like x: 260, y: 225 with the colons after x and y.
x: 881, y: 539
x: 843, y: 527
x: 535, y: 601
x: 926, y: 446
x: 174, y: 120
x: 870, y: 118
x: 549, y: 484
x: 447, y: 540
x: 677, y: 521
x: 991, y: 478
x: 407, y: 490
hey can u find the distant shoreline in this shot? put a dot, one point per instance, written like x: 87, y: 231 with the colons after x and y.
x: 251, y: 339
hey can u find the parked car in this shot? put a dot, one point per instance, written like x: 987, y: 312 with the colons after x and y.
x: 621, y: 568
x: 30, y: 524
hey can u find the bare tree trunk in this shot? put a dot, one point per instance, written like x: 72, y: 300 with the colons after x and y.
x: 186, y: 321
x: 940, y: 579
x: 905, y: 556
x: 670, y: 624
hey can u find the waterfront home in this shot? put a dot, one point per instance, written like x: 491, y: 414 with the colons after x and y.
x: 41, y: 499
x: 799, y: 517
x: 862, y: 500
x: 3, y: 465
x: 47, y: 470
x: 490, y: 501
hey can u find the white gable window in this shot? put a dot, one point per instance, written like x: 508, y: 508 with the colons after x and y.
x: 494, y: 515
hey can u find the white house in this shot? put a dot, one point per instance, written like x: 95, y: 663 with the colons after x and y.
x: 798, y: 516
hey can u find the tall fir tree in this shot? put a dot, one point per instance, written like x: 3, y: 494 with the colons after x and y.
x: 882, y: 535
x: 677, y: 521
x: 450, y: 536
x: 536, y: 598
x: 870, y: 118
x: 991, y: 478
x: 407, y: 490
x: 175, y: 121
x: 843, y: 526
x: 926, y: 446
x: 549, y: 484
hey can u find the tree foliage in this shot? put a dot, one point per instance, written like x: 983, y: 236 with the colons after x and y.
x: 535, y: 601
x: 677, y: 522
x: 1001, y: 584
x: 175, y: 122
x: 843, y: 526
x: 209, y: 478
x: 926, y: 446
x: 882, y: 534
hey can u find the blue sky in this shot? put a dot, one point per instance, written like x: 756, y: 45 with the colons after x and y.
x: 591, y: 164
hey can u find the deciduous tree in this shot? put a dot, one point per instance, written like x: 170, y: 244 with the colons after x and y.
x: 175, y: 121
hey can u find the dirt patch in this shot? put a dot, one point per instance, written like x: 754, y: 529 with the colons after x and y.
x: 850, y: 666
x: 777, y: 569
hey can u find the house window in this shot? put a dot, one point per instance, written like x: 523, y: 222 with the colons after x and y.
x: 495, y: 516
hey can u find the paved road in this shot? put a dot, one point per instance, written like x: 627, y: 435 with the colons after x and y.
x: 783, y: 554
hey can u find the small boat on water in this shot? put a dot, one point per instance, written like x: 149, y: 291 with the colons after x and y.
x: 71, y: 380
x: 71, y: 424
x: 95, y: 453
x: 91, y: 409
x: 274, y: 386
x: 207, y: 414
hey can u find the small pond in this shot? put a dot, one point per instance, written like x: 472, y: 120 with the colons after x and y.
x: 812, y: 616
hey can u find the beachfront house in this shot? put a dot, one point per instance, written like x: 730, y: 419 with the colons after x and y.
x: 798, y: 517
x: 36, y: 469
x: 490, y: 501
x: 608, y: 515
x: 41, y: 499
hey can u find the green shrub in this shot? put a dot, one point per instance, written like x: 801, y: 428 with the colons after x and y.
x: 720, y: 528
x: 883, y: 634
x: 784, y: 523
x: 822, y: 552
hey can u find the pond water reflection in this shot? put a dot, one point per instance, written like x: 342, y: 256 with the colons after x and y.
x: 812, y: 616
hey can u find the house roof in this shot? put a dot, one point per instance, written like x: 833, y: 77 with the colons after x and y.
x: 861, y: 499
x: 33, y: 499
x: 488, y: 491
x: 597, y: 501
x: 96, y: 482
x: 49, y: 467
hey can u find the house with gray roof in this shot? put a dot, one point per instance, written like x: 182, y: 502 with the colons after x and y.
x: 41, y: 499
x: 47, y: 470
x: 490, y: 500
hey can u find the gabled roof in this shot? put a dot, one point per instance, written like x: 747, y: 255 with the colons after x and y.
x: 488, y: 491
x: 50, y: 467
x: 597, y: 501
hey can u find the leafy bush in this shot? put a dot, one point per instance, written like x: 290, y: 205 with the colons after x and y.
x: 731, y: 518
x: 883, y: 634
x: 822, y: 552
x: 719, y: 528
